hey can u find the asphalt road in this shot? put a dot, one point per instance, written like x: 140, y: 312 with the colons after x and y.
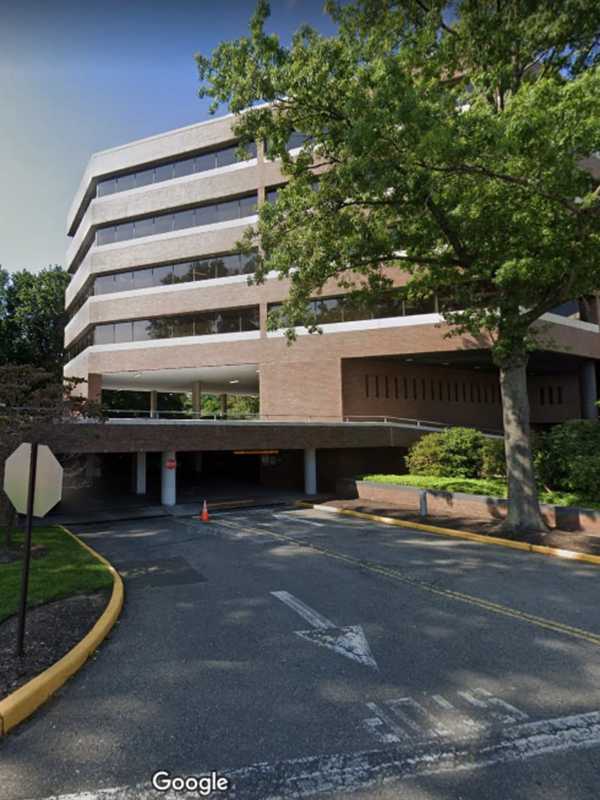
x: 301, y: 654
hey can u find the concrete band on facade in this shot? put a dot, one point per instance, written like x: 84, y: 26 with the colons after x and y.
x: 369, y: 369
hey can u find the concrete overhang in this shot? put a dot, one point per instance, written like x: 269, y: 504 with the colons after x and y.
x: 230, y: 379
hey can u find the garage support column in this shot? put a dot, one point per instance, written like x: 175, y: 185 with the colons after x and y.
x: 168, y: 482
x: 589, y: 409
x: 153, y: 403
x: 223, y: 399
x: 197, y: 398
x: 140, y: 473
x: 310, y: 470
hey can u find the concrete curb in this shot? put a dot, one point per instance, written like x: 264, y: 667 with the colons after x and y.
x: 28, y: 698
x: 540, y: 549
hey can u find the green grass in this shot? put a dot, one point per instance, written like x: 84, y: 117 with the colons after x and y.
x: 66, y: 569
x: 490, y: 487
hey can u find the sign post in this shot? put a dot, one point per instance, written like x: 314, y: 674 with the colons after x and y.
x: 27, y: 550
x: 33, y: 483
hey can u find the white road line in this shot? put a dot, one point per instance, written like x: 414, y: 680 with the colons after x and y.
x: 500, y: 709
x: 349, y: 772
x: 399, y: 732
x: 309, y: 614
x: 432, y: 725
x: 304, y: 521
x: 460, y: 720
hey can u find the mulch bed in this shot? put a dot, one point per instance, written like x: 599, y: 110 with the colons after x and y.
x: 566, y: 540
x: 51, y: 631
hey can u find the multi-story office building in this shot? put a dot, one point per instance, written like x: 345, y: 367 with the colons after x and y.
x: 159, y: 301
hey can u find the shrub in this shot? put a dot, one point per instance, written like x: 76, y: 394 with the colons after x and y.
x: 565, y: 457
x: 454, y: 453
x: 493, y: 459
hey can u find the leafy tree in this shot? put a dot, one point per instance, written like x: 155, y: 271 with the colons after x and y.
x: 32, y: 318
x: 450, y: 140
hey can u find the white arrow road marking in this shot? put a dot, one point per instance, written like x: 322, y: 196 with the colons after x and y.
x: 349, y: 641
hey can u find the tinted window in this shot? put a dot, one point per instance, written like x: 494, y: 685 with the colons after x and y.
x: 248, y: 206
x: 205, y: 162
x: 123, y: 331
x: 141, y: 330
x: 163, y: 224
x: 104, y: 284
x: 144, y: 227
x: 183, y: 272
x: 226, y: 157
x: 125, y: 182
x: 228, y: 321
x: 142, y: 279
x: 204, y: 270
x: 163, y: 173
x: 144, y: 177
x: 124, y: 231
x: 206, y: 215
x: 186, y: 167
x: 250, y: 318
x: 162, y: 275
x: 184, y: 219
x: 105, y: 235
x: 123, y: 281
x: 104, y: 334
x: 183, y: 326
x: 106, y: 187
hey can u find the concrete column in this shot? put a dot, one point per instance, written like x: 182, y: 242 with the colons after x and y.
x: 197, y: 398
x: 168, y: 480
x: 223, y: 399
x: 90, y: 466
x: 140, y: 473
x: 310, y: 470
x: 198, y: 462
x: 589, y: 394
x: 94, y: 388
x: 153, y: 403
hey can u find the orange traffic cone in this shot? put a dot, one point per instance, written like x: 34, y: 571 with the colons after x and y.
x: 204, y: 514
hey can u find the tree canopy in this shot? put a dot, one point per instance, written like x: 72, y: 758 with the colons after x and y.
x: 32, y: 318
x: 452, y: 140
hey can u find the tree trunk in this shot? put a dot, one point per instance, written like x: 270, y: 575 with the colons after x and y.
x: 523, y: 505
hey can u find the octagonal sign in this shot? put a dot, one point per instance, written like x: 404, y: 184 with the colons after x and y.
x: 48, y: 479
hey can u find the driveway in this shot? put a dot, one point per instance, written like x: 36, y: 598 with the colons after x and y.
x: 297, y: 653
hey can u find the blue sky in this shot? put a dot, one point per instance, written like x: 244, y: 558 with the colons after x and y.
x: 77, y: 77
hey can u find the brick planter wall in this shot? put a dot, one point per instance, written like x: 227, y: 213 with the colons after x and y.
x: 473, y: 506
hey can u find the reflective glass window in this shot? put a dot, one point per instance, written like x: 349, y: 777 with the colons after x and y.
x: 296, y: 140
x: 141, y: 330
x: 105, y: 284
x: 248, y: 263
x: 163, y: 275
x: 185, y: 167
x: 125, y: 182
x: 159, y: 328
x: 106, y: 187
x: 163, y: 173
x: 144, y: 227
x: 228, y: 321
x: 226, y: 156
x: 250, y: 319
x: 184, y: 219
x: 204, y: 269
x: 205, y: 162
x: 183, y: 272
x: 248, y: 206
x: 123, y: 281
x: 105, y: 235
x: 328, y: 310
x: 183, y: 326
x: 104, y: 334
x: 144, y: 177
x: 142, y: 278
x: 163, y: 223
x: 204, y: 324
x: 206, y: 215
x: 123, y: 332
x: 124, y: 231
x: 271, y: 195
x: 419, y: 307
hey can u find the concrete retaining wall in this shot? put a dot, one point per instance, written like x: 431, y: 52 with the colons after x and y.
x: 472, y: 506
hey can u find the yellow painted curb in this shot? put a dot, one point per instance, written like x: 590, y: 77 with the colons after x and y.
x: 540, y: 549
x: 24, y: 701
